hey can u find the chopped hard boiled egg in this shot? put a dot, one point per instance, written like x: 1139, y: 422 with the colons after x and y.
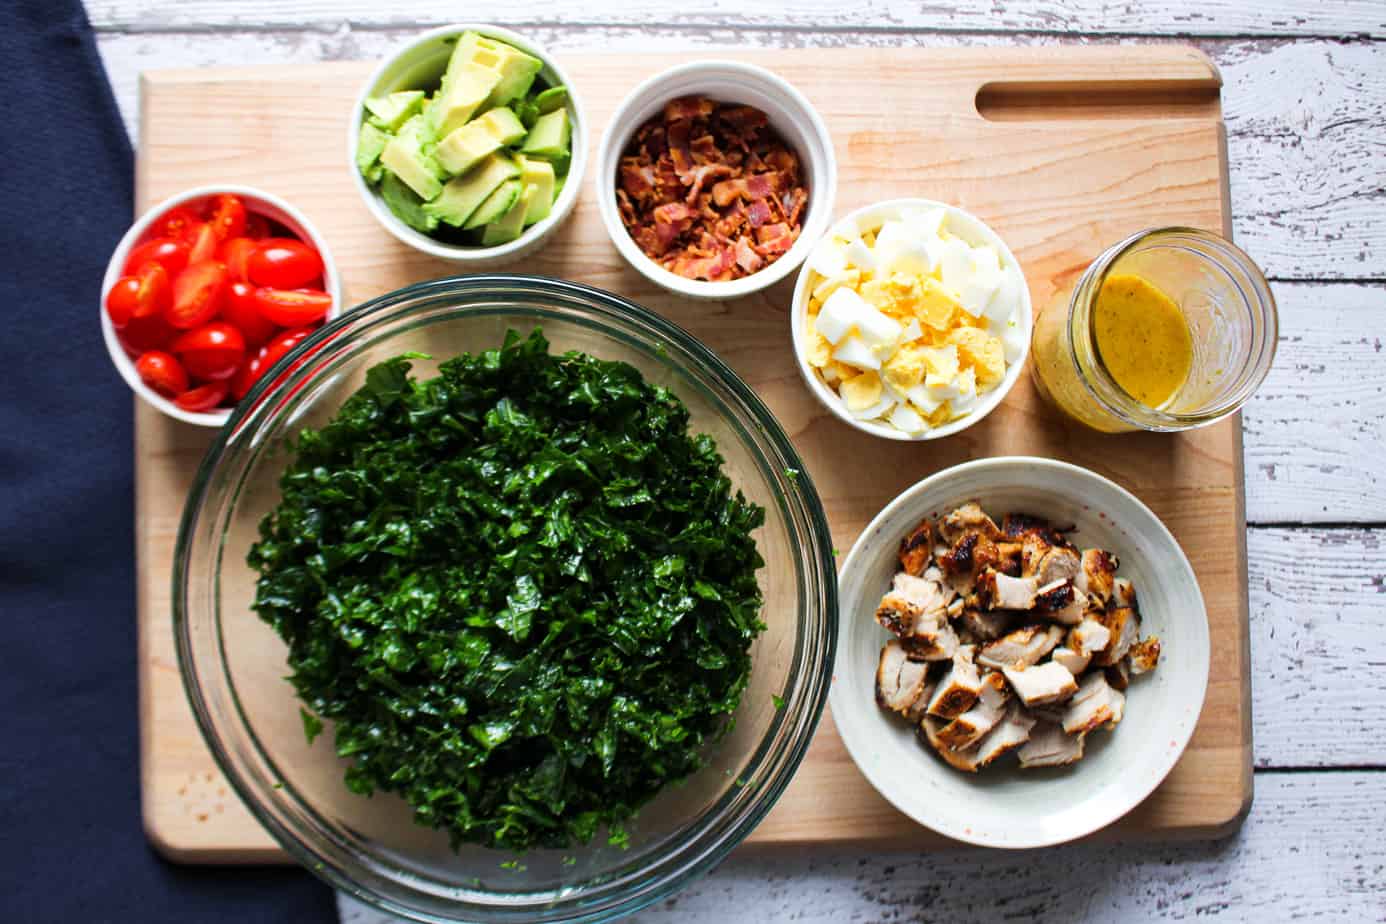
x: 909, y: 322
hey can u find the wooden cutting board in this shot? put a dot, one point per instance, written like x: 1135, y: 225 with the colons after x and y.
x: 1062, y: 150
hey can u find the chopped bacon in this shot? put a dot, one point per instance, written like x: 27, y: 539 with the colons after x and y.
x: 710, y: 190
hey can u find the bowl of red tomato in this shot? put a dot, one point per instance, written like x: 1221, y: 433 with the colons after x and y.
x: 207, y: 291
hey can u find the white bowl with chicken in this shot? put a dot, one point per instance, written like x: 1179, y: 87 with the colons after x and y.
x: 1013, y: 716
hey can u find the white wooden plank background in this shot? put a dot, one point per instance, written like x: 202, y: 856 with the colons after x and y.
x: 1305, y: 105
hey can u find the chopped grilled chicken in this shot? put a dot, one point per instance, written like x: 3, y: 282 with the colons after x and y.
x: 922, y: 593
x: 1020, y: 648
x: 969, y: 727
x: 985, y: 624
x: 920, y: 707
x: 968, y: 518
x: 1052, y: 712
x: 1125, y: 627
x: 1119, y: 674
x: 1061, y: 602
x: 958, y: 689
x: 1010, y: 558
x: 899, y: 681
x: 972, y: 554
x: 997, y: 591
x: 1123, y: 592
x: 931, y: 730
x: 1020, y: 525
x: 1075, y: 662
x: 1034, y: 546
x: 1010, y: 733
x: 955, y: 607
x: 1050, y: 746
x: 1145, y: 655
x: 1089, y: 638
x: 1059, y: 564
x: 931, y: 641
x: 933, y: 573
x: 1097, y: 575
x: 897, y: 614
x: 1049, y: 682
x: 1095, y: 704
x: 916, y: 549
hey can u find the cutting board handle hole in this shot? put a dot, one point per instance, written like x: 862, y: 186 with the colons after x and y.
x: 1049, y: 101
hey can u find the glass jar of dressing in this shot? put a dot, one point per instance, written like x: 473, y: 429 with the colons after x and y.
x: 1169, y: 329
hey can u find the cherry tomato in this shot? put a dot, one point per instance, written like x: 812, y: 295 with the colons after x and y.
x: 257, y: 227
x: 292, y: 307
x: 212, y: 351
x: 228, y: 217
x: 180, y: 223
x: 198, y: 294
x: 139, y: 296
x: 203, y: 397
x: 243, y: 311
x: 204, y: 245
x: 269, y: 354
x: 173, y: 254
x: 162, y: 372
x: 121, y: 301
x: 235, y: 253
x: 284, y: 263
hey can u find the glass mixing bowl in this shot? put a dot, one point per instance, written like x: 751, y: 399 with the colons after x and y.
x: 233, y: 665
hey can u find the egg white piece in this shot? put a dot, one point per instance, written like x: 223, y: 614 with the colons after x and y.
x: 906, y: 419
x: 921, y: 398
x: 879, y: 409
x: 840, y: 313
x: 925, y: 223
x: 1012, y: 342
x: 877, y: 328
x: 956, y: 262
x: 911, y: 332
x: 853, y: 351
x: 861, y: 256
x: 846, y: 231
x: 1005, y: 302
x: 829, y: 258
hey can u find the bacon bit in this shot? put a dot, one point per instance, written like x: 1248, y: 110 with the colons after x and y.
x: 710, y: 190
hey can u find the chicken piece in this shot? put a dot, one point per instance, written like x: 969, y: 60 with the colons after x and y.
x: 1123, y: 593
x: 1021, y: 648
x: 1075, y: 662
x: 1019, y: 525
x: 1060, y: 602
x: 955, y: 607
x: 969, y: 727
x: 926, y: 595
x: 1125, y: 628
x: 1058, y: 564
x: 1119, y: 674
x: 1095, y: 704
x: 931, y: 641
x: 970, y: 517
x: 972, y: 554
x: 1097, y: 575
x: 930, y: 732
x: 1051, y: 712
x: 1011, y: 732
x: 1010, y: 558
x: 1049, y: 682
x: 1145, y: 655
x: 958, y: 690
x: 997, y: 591
x: 920, y: 707
x: 1089, y: 638
x: 911, y: 600
x: 916, y: 549
x: 897, y: 614
x: 985, y: 624
x: 1051, y: 746
x: 899, y: 681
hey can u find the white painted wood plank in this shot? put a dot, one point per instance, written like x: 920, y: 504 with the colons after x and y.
x: 1318, y: 647
x: 1306, y: 120
x: 1159, y: 17
x: 1313, y: 435
x: 1310, y: 849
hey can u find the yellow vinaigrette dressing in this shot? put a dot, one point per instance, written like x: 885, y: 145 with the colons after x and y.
x: 1142, y: 339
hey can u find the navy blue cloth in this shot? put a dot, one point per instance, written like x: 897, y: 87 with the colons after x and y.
x: 72, y: 849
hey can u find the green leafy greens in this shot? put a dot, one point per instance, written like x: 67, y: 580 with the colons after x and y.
x: 522, y: 591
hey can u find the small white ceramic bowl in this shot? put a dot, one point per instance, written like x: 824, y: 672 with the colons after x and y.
x: 1005, y: 806
x: 790, y: 114
x: 964, y: 225
x: 256, y: 201
x: 420, y: 64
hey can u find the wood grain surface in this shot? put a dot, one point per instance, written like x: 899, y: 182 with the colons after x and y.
x: 1058, y: 191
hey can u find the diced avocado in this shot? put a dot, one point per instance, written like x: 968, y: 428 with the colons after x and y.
x: 527, y: 111
x: 551, y: 99
x: 479, y: 137
x: 512, y: 223
x: 462, y: 195
x: 550, y: 135
x: 503, y: 124
x: 406, y: 204
x: 461, y: 97
x: 392, y: 110
x: 368, y: 147
x: 496, y: 204
x: 538, y: 175
x: 405, y: 156
x: 516, y: 68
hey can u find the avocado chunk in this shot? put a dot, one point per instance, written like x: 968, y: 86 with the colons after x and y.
x: 406, y: 204
x: 405, y: 156
x: 461, y: 96
x: 465, y: 146
x: 496, y: 204
x: 550, y: 136
x: 516, y: 68
x: 551, y: 99
x: 368, y: 147
x: 538, y: 175
x: 394, y: 109
x: 510, y: 225
x: 462, y: 195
